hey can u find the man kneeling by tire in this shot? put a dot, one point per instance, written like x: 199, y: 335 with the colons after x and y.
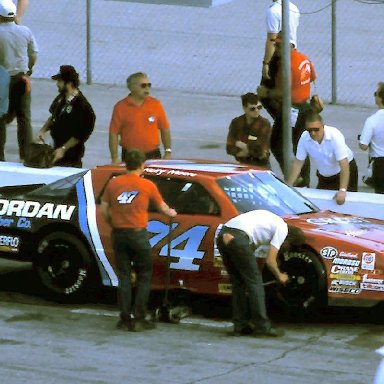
x: 237, y: 242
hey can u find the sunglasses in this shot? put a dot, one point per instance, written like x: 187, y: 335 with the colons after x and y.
x: 310, y: 130
x: 257, y: 107
x: 146, y: 85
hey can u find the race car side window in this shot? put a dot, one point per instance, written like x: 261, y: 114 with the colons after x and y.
x: 186, y: 197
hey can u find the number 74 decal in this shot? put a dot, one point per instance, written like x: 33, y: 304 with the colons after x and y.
x: 191, y: 238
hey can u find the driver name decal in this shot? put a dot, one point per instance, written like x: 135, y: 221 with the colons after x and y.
x: 35, y: 209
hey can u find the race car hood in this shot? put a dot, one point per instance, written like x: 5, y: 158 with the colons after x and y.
x: 343, y: 227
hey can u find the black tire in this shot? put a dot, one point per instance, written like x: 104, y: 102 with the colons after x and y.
x: 65, y: 267
x: 307, y: 288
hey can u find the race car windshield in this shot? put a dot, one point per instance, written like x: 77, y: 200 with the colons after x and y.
x: 262, y: 190
x: 59, y: 188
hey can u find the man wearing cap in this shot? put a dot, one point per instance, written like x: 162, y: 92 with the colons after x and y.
x: 18, y: 53
x: 138, y: 121
x: 72, y: 120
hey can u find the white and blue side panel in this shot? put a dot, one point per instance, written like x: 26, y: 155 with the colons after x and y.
x: 88, y: 225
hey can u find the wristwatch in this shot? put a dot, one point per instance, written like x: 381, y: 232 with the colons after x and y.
x: 343, y: 190
x: 168, y: 150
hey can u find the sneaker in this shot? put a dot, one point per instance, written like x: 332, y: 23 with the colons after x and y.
x: 245, y: 331
x: 125, y: 325
x: 144, y: 325
x: 269, y: 332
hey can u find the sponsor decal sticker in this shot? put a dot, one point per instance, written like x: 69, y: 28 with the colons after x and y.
x: 372, y: 287
x: 340, y: 261
x: 368, y: 261
x: 350, y: 283
x: 159, y: 171
x: 344, y: 269
x: 351, y: 255
x: 225, y: 288
x: 35, y: 209
x: 336, y: 220
x: 344, y: 276
x: 367, y: 279
x: 353, y: 291
x: 9, y: 243
x: 329, y: 252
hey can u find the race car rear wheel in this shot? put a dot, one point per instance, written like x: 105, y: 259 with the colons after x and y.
x: 306, y: 289
x: 64, y: 266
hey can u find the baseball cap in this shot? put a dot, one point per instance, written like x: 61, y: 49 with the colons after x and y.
x: 7, y: 8
x: 67, y: 73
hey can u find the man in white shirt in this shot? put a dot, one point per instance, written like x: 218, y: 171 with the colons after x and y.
x: 237, y: 242
x: 274, y: 26
x: 325, y: 145
x: 372, y: 138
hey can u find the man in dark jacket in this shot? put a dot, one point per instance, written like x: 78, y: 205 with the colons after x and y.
x: 72, y: 120
x: 249, y: 134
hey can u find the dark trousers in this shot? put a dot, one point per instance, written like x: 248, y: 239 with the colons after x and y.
x: 277, y: 141
x: 333, y: 182
x: 132, y: 249
x: 19, y: 107
x: 378, y: 174
x: 248, y: 296
x: 155, y: 154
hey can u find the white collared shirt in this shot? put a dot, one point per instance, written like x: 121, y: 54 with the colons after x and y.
x: 326, y: 154
x: 17, y: 45
x: 264, y: 228
x: 274, y: 20
x: 373, y: 134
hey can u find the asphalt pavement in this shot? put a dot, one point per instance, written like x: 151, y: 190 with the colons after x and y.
x: 199, y: 123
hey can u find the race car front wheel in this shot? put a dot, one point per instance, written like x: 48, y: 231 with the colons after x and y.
x: 306, y: 290
x: 64, y: 266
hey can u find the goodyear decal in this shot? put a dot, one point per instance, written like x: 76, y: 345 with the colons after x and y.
x: 35, y: 209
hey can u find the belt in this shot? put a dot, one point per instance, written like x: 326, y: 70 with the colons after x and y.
x: 129, y: 229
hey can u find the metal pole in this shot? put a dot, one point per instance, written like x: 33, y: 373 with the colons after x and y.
x: 334, y: 69
x: 88, y: 32
x: 286, y: 78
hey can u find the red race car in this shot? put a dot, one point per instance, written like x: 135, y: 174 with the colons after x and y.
x: 59, y: 227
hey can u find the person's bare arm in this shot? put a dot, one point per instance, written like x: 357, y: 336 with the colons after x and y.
x: 295, y: 171
x: 60, y: 152
x: 113, y: 148
x: 166, y: 210
x: 21, y: 8
x: 363, y: 147
x: 268, y: 53
x: 344, y: 181
x: 105, y: 212
x: 271, y: 262
x: 167, y: 142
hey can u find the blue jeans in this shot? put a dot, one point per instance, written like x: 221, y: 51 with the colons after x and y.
x: 248, y: 296
x: 132, y: 249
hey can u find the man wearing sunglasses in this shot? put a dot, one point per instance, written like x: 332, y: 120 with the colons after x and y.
x: 325, y: 145
x: 249, y: 134
x: 138, y: 121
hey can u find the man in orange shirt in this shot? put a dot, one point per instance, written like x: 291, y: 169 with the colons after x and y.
x: 125, y: 206
x: 302, y: 75
x: 137, y: 120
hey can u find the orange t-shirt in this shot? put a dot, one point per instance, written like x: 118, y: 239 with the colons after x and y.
x: 139, y: 126
x: 302, y: 74
x: 128, y: 197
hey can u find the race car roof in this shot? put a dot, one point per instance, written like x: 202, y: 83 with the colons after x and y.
x: 192, y: 167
